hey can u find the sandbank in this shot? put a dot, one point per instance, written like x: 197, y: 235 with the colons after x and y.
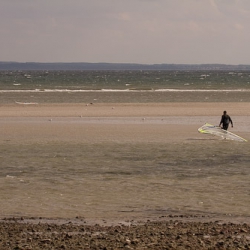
x: 123, y: 109
x: 22, y: 123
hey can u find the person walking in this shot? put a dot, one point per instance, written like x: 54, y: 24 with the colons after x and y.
x: 225, y: 120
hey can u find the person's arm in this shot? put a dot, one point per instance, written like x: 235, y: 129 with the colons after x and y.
x: 230, y: 120
x: 221, y: 121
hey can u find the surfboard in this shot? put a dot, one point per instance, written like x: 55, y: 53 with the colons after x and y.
x: 218, y: 131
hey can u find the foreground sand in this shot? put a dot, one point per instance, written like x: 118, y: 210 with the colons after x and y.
x: 22, y: 123
x: 171, y: 233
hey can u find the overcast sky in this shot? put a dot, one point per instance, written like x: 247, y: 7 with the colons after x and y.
x: 125, y: 31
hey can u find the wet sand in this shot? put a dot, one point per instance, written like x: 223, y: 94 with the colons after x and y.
x: 24, y: 123
x: 76, y: 122
x: 114, y: 122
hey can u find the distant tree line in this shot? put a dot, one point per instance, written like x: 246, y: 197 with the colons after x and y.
x: 116, y: 66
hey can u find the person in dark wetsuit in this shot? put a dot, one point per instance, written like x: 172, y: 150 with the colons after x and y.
x: 225, y: 120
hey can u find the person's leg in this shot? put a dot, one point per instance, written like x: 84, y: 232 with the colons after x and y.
x: 225, y: 126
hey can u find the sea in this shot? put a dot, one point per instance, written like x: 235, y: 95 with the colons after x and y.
x: 112, y: 180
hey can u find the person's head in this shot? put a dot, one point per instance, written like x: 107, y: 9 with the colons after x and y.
x: 225, y: 112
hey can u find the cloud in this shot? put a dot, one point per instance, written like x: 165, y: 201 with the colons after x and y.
x: 124, y: 16
x: 214, y: 6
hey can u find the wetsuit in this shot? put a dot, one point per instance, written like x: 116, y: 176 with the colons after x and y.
x: 225, y: 120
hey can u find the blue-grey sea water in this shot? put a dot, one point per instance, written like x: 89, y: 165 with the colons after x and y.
x: 127, y: 178
x: 132, y: 80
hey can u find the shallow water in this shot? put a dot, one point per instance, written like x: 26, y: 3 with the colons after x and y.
x: 124, y: 97
x: 115, y: 180
x: 124, y: 86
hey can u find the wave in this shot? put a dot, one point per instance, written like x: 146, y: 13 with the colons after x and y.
x: 119, y: 90
x: 202, y: 90
x: 27, y: 103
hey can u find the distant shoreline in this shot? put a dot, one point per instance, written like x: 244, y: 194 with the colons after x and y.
x: 116, y: 66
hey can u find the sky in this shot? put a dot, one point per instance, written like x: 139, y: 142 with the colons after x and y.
x: 126, y: 31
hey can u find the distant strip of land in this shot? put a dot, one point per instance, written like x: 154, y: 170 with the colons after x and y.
x: 116, y: 66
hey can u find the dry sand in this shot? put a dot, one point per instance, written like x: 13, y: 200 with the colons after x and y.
x: 123, y: 110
